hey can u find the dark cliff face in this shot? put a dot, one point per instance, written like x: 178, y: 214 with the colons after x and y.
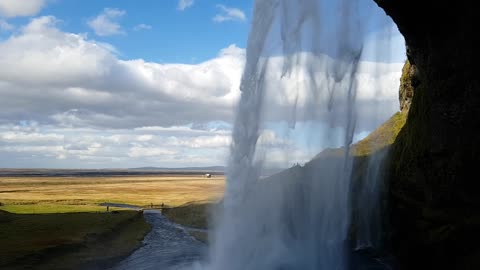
x: 434, y: 182
x: 406, y: 86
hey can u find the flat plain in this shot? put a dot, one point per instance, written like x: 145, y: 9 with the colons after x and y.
x: 62, y: 194
x: 53, y: 220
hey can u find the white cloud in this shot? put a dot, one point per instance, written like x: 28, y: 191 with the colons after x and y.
x: 229, y: 14
x: 49, y: 146
x: 145, y: 138
x: 69, y: 101
x: 20, y: 8
x: 184, y: 4
x: 23, y: 137
x: 201, y: 141
x: 137, y: 151
x: 142, y: 26
x: 51, y: 57
x: 76, y: 82
x: 106, y: 23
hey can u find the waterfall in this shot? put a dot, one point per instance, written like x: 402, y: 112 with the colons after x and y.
x: 368, y: 223
x: 300, y: 218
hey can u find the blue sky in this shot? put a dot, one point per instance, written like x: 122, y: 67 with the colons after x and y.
x: 170, y: 34
x: 123, y: 83
x: 176, y: 36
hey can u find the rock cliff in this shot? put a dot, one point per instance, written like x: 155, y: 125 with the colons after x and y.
x: 434, y: 200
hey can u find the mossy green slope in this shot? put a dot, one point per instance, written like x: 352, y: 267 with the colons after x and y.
x: 382, y: 137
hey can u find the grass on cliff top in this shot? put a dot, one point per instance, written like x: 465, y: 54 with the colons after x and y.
x: 383, y: 136
x: 67, y: 241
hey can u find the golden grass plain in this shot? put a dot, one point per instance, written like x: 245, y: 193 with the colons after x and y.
x: 83, y: 194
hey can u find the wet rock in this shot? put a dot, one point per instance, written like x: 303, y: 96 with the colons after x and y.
x: 433, y: 176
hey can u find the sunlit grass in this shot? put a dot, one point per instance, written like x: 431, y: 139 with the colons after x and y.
x: 43, y: 208
x: 384, y: 135
x: 84, y: 194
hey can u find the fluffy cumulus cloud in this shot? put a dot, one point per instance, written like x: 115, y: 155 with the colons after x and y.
x: 71, y: 81
x: 70, y: 101
x: 17, y: 8
x: 106, y: 23
x: 184, y: 4
x: 229, y: 14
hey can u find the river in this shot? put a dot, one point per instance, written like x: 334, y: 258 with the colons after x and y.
x: 168, y: 246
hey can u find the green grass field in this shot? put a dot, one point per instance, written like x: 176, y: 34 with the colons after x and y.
x: 68, y: 241
x: 48, y: 208
x: 195, y: 215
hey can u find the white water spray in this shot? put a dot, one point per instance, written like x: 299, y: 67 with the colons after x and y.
x: 300, y: 218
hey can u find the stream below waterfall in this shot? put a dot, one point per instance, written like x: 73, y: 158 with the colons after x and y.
x: 168, y: 246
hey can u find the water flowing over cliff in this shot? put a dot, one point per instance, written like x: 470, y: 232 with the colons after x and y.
x: 299, y: 219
